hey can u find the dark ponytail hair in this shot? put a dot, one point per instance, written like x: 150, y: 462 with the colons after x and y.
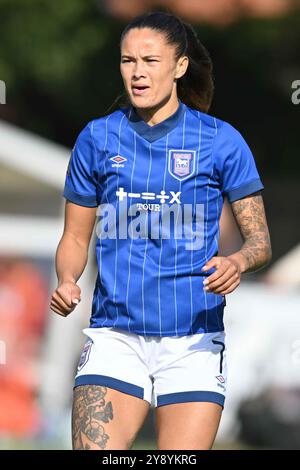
x: 195, y: 88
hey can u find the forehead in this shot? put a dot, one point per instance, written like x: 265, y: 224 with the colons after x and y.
x: 144, y: 40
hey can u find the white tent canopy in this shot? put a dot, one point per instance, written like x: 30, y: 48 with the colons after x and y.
x: 32, y: 155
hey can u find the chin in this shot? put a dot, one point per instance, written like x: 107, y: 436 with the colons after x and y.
x: 144, y: 103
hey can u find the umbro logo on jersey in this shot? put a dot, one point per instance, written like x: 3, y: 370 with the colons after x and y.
x: 118, y: 161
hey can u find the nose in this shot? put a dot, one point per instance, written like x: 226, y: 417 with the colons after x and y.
x: 138, y: 69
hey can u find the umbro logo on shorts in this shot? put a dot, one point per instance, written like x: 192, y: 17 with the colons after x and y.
x: 220, y: 378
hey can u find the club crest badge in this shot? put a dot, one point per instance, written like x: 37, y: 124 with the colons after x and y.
x: 85, y: 354
x: 181, y: 163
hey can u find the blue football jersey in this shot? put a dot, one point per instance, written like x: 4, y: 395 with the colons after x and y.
x: 159, y: 193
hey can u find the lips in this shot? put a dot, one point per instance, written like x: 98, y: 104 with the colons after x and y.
x: 139, y: 89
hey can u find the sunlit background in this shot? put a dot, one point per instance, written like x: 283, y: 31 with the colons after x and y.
x: 59, y: 69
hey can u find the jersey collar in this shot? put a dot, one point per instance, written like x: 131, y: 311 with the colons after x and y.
x: 152, y: 133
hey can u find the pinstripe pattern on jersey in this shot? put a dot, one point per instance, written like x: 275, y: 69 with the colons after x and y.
x: 154, y: 286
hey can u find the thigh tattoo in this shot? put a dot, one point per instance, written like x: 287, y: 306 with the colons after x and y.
x: 89, y: 411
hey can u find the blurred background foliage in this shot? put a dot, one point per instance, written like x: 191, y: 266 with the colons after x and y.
x: 60, y: 62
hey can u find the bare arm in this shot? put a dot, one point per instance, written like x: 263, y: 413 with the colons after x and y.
x: 72, y: 250
x: 255, y: 252
x: 72, y: 256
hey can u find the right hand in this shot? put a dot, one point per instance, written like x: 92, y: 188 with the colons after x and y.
x: 65, y: 298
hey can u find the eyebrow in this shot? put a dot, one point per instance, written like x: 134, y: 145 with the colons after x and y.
x: 144, y: 57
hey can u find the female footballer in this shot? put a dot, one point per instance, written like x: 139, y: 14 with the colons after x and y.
x: 155, y: 173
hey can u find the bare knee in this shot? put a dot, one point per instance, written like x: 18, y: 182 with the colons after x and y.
x: 103, y: 418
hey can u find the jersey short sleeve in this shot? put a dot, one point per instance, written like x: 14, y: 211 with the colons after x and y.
x: 82, y: 173
x: 235, y: 164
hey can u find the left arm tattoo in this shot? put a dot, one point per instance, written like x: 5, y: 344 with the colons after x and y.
x: 250, y: 215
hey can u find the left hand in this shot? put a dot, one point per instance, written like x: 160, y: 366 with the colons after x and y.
x: 226, y: 277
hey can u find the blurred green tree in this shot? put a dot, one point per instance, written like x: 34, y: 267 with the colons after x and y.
x: 60, y: 62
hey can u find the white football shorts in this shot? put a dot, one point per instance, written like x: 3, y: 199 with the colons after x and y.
x: 161, y: 370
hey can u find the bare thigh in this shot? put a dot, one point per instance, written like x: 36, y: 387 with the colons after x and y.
x: 103, y: 418
x: 187, y: 426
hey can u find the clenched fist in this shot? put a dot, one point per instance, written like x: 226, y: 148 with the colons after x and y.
x: 65, y: 298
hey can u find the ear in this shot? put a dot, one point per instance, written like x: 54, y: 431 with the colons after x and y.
x: 181, y: 66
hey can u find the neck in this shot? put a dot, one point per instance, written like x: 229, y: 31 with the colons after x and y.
x: 159, y: 113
